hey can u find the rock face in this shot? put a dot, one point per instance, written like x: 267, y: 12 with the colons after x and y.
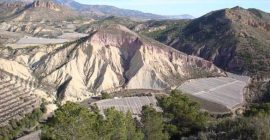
x: 116, y: 58
x: 45, y: 4
x: 111, y: 58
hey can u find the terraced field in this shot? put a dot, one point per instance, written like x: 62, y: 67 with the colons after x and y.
x: 132, y: 104
x: 225, y: 92
x: 16, y: 97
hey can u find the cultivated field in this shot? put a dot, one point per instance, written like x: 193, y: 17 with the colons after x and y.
x: 132, y: 104
x: 72, y: 36
x: 38, y: 41
x: 224, y: 91
x: 16, y: 97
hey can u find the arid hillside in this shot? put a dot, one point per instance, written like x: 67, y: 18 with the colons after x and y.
x: 109, y: 59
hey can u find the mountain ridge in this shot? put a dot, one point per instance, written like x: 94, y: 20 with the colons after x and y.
x: 235, y: 39
x: 101, y: 11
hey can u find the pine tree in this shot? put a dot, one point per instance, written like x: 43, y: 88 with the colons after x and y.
x: 153, y: 124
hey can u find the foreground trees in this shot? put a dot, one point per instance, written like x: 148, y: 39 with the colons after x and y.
x: 183, y: 116
x: 153, y: 125
x: 118, y: 126
x: 73, y: 122
x: 180, y: 117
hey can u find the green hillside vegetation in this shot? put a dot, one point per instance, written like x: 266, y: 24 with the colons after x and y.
x: 166, y: 35
x: 247, y: 128
x: 235, y: 39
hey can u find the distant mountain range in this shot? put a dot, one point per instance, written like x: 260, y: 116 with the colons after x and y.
x: 185, y: 16
x: 92, y: 11
x: 105, y: 10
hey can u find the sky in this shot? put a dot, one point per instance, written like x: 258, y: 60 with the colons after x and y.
x: 195, y: 8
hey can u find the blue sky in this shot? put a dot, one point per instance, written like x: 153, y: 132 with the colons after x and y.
x: 178, y: 7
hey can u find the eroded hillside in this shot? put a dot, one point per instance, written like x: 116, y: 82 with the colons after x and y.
x: 109, y: 59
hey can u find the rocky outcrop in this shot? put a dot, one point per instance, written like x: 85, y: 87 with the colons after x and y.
x: 46, y: 4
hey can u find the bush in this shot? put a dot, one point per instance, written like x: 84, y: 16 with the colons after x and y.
x: 258, y: 110
x: 251, y: 128
x: 105, y: 95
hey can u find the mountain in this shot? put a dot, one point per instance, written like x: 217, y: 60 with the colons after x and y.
x: 112, y: 58
x: 94, y: 11
x: 14, y: 1
x: 112, y: 20
x: 164, y: 31
x: 234, y: 39
x: 40, y: 10
x: 105, y: 11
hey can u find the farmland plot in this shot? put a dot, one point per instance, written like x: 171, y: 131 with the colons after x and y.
x: 36, y: 40
x: 132, y: 104
x: 223, y: 91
